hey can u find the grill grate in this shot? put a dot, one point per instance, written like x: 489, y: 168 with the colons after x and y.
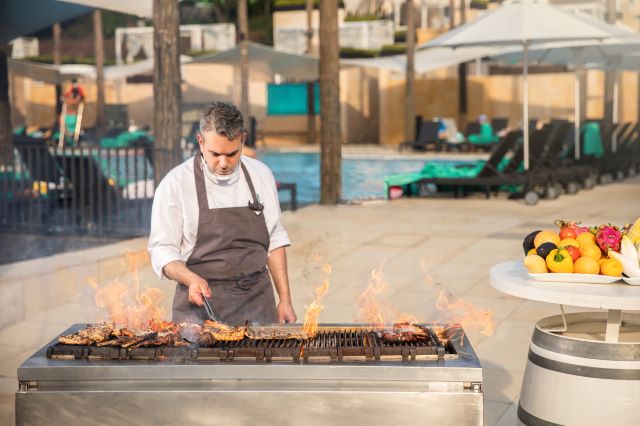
x: 347, y: 344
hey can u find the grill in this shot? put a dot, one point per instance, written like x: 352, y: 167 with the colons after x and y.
x: 347, y: 374
x: 330, y: 344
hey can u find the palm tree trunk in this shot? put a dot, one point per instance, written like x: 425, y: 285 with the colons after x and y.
x: 410, y: 100
x: 311, y: 116
x: 243, y: 37
x: 5, y: 107
x: 330, y: 145
x: 99, y: 52
x: 167, y: 95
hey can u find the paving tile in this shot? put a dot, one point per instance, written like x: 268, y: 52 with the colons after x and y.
x: 30, y: 334
x: 8, y: 387
x: 12, y: 297
x: 500, y: 385
x: 510, y: 416
x: 493, y: 411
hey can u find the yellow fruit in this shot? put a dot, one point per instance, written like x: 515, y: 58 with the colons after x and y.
x: 590, y: 250
x: 535, y: 264
x: 634, y: 231
x: 602, y: 260
x: 546, y: 237
x: 560, y: 261
x: 586, y: 265
x: 569, y: 242
x: 611, y: 267
x: 586, y: 237
x: 532, y: 251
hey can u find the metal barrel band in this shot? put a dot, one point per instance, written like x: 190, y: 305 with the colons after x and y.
x: 530, y: 420
x: 586, y: 349
x: 583, y: 371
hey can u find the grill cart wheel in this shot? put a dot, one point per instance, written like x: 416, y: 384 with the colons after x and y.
x: 573, y: 187
x: 552, y: 192
x: 531, y: 198
x: 605, y: 179
x: 589, y: 182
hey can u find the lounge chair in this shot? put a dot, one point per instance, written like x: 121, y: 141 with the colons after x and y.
x: 427, y: 137
x: 499, y: 124
x: 466, y: 170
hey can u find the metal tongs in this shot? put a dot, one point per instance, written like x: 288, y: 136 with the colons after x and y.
x: 213, y: 316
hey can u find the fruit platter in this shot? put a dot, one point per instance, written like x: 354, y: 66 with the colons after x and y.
x: 575, y: 253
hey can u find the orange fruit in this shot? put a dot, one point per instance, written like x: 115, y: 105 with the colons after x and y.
x: 586, y: 265
x: 590, y: 250
x: 569, y: 242
x: 586, y: 237
x: 535, y: 264
x: 546, y: 237
x: 611, y: 267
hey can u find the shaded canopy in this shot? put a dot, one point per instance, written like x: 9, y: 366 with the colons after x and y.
x: 22, y: 17
x: 425, y: 60
x: 56, y: 74
x: 267, y: 60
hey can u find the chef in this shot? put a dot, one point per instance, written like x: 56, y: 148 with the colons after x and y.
x: 216, y: 229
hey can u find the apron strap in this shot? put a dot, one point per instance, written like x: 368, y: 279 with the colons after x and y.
x: 201, y: 191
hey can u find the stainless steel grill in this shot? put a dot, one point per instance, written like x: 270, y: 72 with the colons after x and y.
x: 347, y: 374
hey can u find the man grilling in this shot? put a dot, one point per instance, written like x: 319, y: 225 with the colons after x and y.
x: 216, y: 229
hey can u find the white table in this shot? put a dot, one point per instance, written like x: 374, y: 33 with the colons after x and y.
x: 512, y: 278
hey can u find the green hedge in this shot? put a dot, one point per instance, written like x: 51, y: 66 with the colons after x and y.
x: 393, y: 49
x: 362, y: 18
x: 353, y: 53
x: 84, y: 60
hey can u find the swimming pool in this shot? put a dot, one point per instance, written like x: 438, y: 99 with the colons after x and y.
x: 362, y: 177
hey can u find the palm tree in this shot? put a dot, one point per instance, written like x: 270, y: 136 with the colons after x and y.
x: 330, y: 145
x: 167, y: 95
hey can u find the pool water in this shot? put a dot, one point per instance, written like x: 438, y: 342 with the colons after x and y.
x: 362, y: 177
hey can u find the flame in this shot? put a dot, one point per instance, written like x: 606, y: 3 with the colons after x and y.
x: 371, y: 310
x: 310, y: 326
x: 469, y: 316
x: 127, y: 305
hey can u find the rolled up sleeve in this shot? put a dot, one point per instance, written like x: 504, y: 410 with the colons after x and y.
x: 165, y: 238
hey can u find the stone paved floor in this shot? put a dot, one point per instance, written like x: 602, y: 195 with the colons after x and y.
x: 424, y: 246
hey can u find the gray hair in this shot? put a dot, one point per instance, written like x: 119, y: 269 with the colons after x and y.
x: 224, y: 118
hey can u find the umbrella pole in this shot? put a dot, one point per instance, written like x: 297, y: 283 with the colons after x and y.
x: 576, y: 120
x: 616, y: 88
x: 525, y: 104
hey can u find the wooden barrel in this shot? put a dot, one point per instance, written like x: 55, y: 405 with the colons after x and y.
x: 575, y: 378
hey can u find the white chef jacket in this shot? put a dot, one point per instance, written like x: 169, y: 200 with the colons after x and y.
x: 174, y: 216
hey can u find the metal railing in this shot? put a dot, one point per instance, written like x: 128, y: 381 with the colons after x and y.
x: 83, y: 190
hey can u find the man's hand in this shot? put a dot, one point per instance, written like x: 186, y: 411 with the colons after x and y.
x: 198, y: 287
x: 286, y: 313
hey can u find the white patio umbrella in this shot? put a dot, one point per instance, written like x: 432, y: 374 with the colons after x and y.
x: 521, y: 23
x: 600, y: 54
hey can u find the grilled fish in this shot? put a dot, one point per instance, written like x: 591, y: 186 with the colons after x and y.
x: 224, y: 332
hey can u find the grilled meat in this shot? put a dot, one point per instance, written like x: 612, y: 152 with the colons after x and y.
x: 264, y: 333
x: 74, y: 339
x: 97, y: 333
x: 403, y: 332
x: 224, y: 332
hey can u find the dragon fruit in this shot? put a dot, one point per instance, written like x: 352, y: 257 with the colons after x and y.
x: 608, y: 237
x: 573, y: 225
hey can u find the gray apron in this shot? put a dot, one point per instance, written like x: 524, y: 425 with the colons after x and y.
x: 231, y: 251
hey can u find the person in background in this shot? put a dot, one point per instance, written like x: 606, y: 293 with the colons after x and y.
x: 486, y: 137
